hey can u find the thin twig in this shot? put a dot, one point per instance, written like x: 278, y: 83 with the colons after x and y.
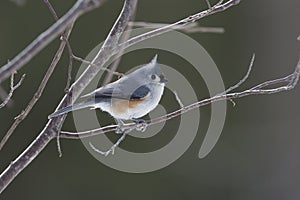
x: 178, y: 99
x: 200, y: 29
x: 12, y: 89
x: 215, y: 9
x: 51, y: 9
x: 39, y: 91
x: 190, y: 28
x: 65, y: 38
x: 290, y: 80
x: 112, y: 148
x: 243, y: 79
x: 208, y: 3
x: 113, y: 70
x: 70, y: 66
x: 3, y: 95
x: 79, y: 8
x: 96, y: 65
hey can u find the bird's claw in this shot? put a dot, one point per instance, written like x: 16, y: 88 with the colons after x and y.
x: 141, y: 125
x: 120, y: 127
x: 119, y: 130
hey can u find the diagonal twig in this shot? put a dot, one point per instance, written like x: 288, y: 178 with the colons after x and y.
x: 12, y: 89
x: 39, y: 91
x: 190, y: 28
x: 101, y: 68
x: 112, y: 148
x: 243, y: 79
x: 208, y: 3
x: 3, y: 95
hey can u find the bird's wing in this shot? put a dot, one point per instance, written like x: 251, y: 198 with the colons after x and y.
x: 140, y: 93
x: 120, y: 93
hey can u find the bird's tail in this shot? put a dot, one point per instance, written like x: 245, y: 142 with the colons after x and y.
x: 70, y: 108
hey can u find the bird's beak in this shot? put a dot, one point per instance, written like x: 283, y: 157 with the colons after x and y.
x: 163, y: 79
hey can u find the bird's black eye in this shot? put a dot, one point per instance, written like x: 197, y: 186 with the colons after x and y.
x: 153, y: 77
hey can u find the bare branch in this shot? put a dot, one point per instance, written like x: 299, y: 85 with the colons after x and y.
x: 19, y: 2
x: 12, y: 89
x: 178, y: 99
x: 70, y: 66
x: 51, y: 9
x: 290, y: 80
x: 113, y: 70
x: 190, y: 28
x: 95, y: 65
x: 243, y: 79
x: 65, y: 38
x: 80, y: 7
x: 3, y: 95
x: 208, y: 3
x: 112, y: 149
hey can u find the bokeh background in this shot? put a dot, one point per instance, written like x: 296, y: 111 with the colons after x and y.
x: 257, y: 155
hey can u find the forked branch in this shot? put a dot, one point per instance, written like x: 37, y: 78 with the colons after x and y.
x: 12, y: 89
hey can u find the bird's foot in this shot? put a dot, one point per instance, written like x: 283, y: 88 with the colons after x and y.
x: 120, y: 127
x: 119, y: 130
x: 141, y: 125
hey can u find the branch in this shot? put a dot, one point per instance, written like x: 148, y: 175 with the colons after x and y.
x: 80, y: 7
x: 190, y: 28
x: 12, y: 89
x: 208, y: 3
x: 112, y: 149
x: 243, y: 79
x: 95, y: 65
x: 53, y: 126
x: 3, y: 96
x: 290, y: 80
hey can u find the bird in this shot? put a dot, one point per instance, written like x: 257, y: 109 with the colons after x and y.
x: 129, y: 98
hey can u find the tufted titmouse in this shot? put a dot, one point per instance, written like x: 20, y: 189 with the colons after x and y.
x: 129, y: 98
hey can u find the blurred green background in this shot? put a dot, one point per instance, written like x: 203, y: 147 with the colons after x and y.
x: 257, y: 155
